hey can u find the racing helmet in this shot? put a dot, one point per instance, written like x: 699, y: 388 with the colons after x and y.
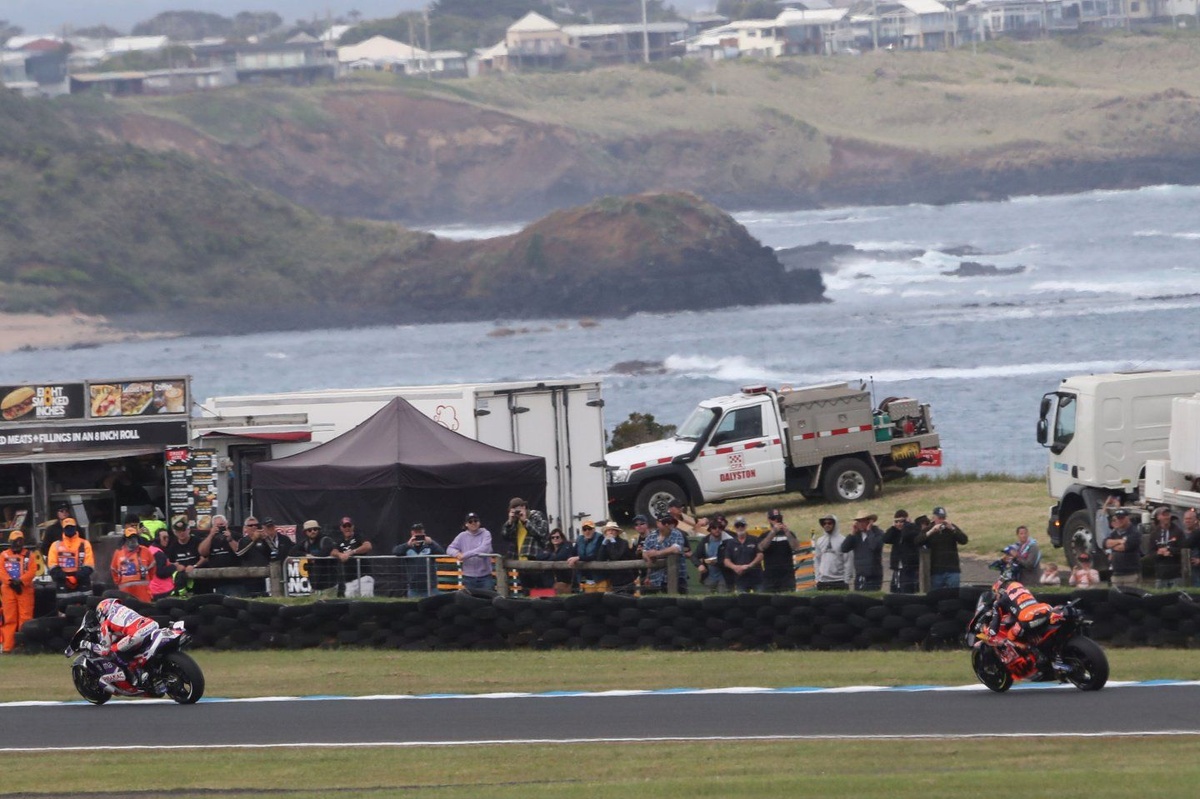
x: 105, y: 607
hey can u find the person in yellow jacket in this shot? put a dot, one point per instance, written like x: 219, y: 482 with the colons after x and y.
x: 71, y: 559
x: 16, y: 589
x: 133, y: 566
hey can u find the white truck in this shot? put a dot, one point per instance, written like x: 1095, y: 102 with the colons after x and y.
x: 1130, y: 435
x: 562, y: 421
x: 824, y: 441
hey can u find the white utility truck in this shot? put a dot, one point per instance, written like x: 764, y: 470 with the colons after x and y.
x: 1130, y: 435
x: 825, y: 441
x: 560, y: 420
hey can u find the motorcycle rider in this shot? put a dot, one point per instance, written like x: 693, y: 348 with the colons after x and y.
x: 1019, y: 611
x: 123, y: 635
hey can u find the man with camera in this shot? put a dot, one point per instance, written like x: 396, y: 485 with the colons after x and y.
x: 220, y: 547
x: 419, y: 572
x: 526, y: 532
x: 943, y: 539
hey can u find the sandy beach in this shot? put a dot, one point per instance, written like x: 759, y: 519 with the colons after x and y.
x: 55, y: 331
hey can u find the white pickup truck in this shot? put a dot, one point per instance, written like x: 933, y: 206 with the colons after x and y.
x: 824, y: 441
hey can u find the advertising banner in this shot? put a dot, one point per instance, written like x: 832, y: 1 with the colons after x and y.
x: 76, y: 437
x: 93, y: 400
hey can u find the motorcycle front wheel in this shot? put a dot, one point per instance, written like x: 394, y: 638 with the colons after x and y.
x: 1089, y: 664
x: 990, y: 671
x: 182, y: 678
x: 88, y: 685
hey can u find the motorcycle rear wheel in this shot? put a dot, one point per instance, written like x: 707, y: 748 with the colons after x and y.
x: 990, y: 671
x: 182, y: 677
x: 88, y: 685
x: 1089, y: 664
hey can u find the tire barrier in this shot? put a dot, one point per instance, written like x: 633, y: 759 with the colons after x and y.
x: 465, y: 621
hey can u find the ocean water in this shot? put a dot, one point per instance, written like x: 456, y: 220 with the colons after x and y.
x: 1091, y: 282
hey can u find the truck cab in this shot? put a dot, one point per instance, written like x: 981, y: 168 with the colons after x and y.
x: 1100, y: 431
x: 728, y: 447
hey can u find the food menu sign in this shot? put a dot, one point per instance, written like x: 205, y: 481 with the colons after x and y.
x: 158, y: 397
x: 191, y: 484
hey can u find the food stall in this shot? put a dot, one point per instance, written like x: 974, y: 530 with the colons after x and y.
x: 97, y: 446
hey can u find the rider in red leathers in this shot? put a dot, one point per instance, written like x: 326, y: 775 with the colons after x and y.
x: 123, y: 634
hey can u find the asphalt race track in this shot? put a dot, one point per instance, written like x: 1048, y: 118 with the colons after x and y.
x: 1144, y: 708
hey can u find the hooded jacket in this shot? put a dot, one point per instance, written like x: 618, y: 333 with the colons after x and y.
x: 830, y: 564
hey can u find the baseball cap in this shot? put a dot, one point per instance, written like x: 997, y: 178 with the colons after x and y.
x: 1009, y: 549
x: 69, y: 522
x: 739, y: 521
x: 180, y: 524
x: 675, y: 503
x: 471, y: 517
x: 417, y: 526
x: 612, y: 526
x: 1120, y: 513
x: 665, y: 517
x: 516, y: 502
x: 16, y: 535
x: 312, y: 524
x: 870, y: 517
x: 640, y: 519
x: 939, y: 511
x: 774, y: 515
x: 347, y: 520
x: 268, y: 522
x: 130, y: 531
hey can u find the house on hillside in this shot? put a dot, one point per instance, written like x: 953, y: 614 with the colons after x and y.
x: 906, y: 24
x: 13, y: 76
x: 628, y: 43
x: 1092, y: 14
x: 981, y: 20
x: 820, y: 31
x: 383, y: 54
x: 44, y: 63
x: 295, y: 64
x: 755, y: 38
x: 534, y: 42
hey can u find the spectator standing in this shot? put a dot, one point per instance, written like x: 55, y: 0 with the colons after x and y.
x: 905, y: 555
x: 833, y: 568
x: 154, y: 534
x: 778, y: 545
x: 184, y: 548
x: 943, y: 539
x: 132, y: 566
x: 866, y: 542
x: 420, y: 572
x: 473, y: 549
x: 641, y: 529
x: 587, y: 549
x: 1191, y: 529
x: 743, y: 559
x: 613, y: 548
x: 53, y: 531
x: 1123, y: 544
x: 354, y: 575
x: 71, y: 560
x: 684, y: 521
x: 16, y: 590
x: 1166, y: 538
x: 526, y: 532
x: 1006, y: 564
x: 1027, y: 555
x: 709, y: 557
x: 560, y: 551
x: 664, y: 541
x: 315, y: 546
x: 1083, y: 575
x: 219, y: 548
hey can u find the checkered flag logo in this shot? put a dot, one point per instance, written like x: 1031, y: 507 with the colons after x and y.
x: 737, y: 461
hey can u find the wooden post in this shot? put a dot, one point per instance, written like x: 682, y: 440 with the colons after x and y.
x: 275, y: 578
x: 1185, y: 557
x: 925, y: 578
x: 673, y: 573
x: 500, y: 568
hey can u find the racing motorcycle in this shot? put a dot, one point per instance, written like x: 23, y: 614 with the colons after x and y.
x: 1059, y: 652
x: 165, y: 670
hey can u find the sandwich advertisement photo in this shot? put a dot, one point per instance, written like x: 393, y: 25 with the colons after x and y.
x: 38, y: 403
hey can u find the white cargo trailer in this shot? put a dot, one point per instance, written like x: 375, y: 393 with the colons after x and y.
x: 560, y: 420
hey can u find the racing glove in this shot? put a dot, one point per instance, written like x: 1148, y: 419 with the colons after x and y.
x: 99, y: 649
x: 15, y: 585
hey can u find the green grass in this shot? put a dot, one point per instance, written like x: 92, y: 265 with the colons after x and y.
x: 366, y: 671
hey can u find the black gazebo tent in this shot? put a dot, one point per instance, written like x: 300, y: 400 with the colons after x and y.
x: 396, y: 468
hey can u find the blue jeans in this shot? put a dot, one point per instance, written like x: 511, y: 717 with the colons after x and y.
x: 486, y: 582
x: 944, y: 580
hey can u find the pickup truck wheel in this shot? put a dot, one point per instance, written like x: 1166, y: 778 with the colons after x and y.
x: 654, y: 497
x: 848, y: 480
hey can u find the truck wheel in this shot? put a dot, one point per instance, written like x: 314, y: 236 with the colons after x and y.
x: 848, y: 480
x: 654, y: 497
x: 1077, y: 537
